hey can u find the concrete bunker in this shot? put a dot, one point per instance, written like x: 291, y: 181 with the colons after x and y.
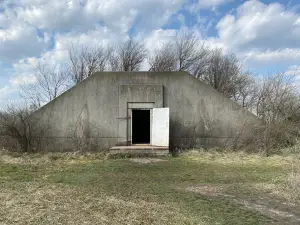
x: 175, y: 110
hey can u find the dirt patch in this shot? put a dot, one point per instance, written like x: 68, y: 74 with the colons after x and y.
x: 147, y: 160
x: 284, y: 217
x: 207, y: 190
x: 280, y: 211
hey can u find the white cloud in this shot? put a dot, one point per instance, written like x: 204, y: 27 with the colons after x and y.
x: 148, y: 14
x: 18, y: 41
x: 181, y: 18
x: 25, y: 68
x: 258, y: 26
x: 206, y: 4
x: 294, y: 71
x: 17, y: 81
x: 272, y: 57
x: 26, y: 28
x: 18, y: 38
x: 53, y: 14
x: 5, y: 91
x: 24, y: 71
x: 262, y: 35
x: 216, y: 43
x: 83, y: 15
x: 158, y: 37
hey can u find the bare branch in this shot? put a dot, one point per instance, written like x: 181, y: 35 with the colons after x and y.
x: 19, y: 125
x: 223, y: 72
x: 86, y: 61
x: 49, y: 83
x: 128, y: 56
x: 163, y: 59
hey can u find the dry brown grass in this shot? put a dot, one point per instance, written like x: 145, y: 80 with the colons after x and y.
x: 147, y: 160
x: 51, y: 157
x: 293, y: 184
x: 196, y: 188
x: 60, y: 204
x: 289, y: 189
x: 240, y: 158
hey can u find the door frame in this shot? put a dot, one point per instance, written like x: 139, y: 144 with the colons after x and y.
x: 137, y: 106
x: 149, y: 109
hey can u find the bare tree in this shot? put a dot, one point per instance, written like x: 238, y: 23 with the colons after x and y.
x: 189, y: 52
x: 245, y: 91
x: 18, y: 124
x: 223, y: 72
x: 185, y: 54
x: 277, y: 99
x: 163, y: 59
x: 201, y: 63
x: 86, y: 61
x: 114, y: 60
x: 48, y: 84
x: 277, y: 104
x: 128, y: 56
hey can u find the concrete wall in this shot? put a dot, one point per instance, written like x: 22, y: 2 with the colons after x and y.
x: 95, y: 111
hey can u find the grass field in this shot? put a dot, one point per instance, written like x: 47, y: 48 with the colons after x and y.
x: 195, y: 188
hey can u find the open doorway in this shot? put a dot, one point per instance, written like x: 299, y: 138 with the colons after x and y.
x: 140, y: 126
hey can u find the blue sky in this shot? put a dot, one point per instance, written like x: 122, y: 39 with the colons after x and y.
x: 265, y: 35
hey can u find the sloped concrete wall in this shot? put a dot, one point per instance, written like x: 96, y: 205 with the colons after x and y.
x: 88, y: 115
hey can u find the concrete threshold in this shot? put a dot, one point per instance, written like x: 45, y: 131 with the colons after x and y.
x: 140, y: 149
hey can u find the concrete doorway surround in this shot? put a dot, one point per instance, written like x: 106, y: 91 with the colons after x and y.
x: 147, y: 130
x: 139, y: 119
x: 136, y: 106
x: 132, y: 96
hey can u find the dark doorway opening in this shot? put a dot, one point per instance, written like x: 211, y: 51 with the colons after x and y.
x: 140, y: 126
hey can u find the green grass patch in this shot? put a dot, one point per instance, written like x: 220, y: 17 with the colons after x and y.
x: 191, y: 189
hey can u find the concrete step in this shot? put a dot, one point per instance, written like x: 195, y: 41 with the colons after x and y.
x: 140, y: 149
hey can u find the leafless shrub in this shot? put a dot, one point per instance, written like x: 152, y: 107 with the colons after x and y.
x: 277, y: 105
x: 237, y: 134
x: 245, y: 91
x: 86, y: 60
x: 79, y: 138
x: 128, y: 56
x: 49, y: 83
x: 18, y: 124
x: 79, y: 131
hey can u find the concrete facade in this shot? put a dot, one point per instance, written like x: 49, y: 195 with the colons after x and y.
x: 95, y: 112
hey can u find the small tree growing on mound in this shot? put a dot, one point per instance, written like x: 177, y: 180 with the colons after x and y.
x: 277, y: 104
x: 19, y: 125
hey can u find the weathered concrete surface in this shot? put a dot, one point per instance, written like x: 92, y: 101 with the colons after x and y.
x: 93, y: 113
x: 139, y: 149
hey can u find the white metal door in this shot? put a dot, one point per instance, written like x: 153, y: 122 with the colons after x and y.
x: 160, y: 126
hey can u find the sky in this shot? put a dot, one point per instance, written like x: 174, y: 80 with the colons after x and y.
x: 265, y: 35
